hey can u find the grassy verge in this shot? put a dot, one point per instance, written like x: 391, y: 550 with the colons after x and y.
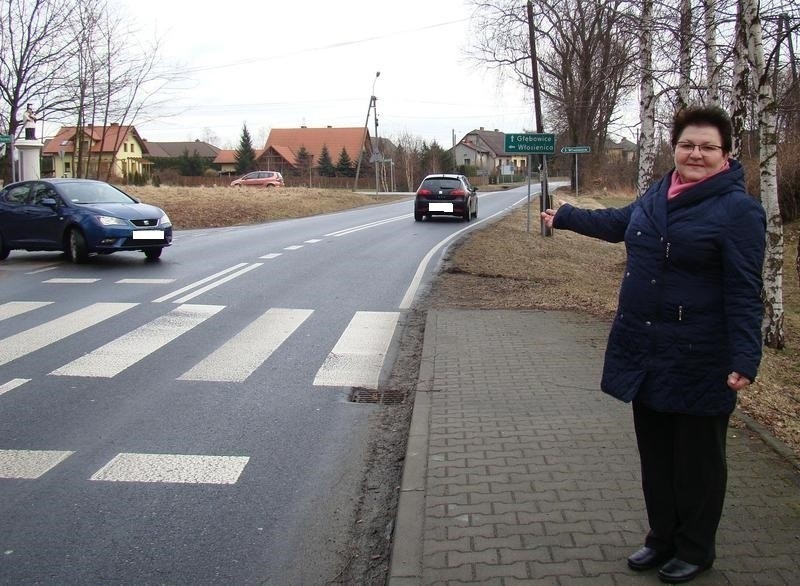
x: 215, y: 207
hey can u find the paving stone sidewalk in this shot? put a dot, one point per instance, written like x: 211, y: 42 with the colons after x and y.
x: 520, y: 471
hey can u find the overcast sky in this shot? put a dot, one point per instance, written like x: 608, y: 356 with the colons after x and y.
x: 283, y: 64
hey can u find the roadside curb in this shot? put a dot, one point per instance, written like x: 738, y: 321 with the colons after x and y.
x: 776, y: 445
x: 406, y: 561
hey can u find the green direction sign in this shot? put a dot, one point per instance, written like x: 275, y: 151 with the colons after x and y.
x: 576, y: 150
x: 531, y: 144
x: 5, y: 139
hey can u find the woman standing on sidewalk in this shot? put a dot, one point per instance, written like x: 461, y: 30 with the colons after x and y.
x: 687, y: 333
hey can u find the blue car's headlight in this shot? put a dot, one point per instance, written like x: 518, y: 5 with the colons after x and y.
x: 111, y: 221
x: 164, y: 220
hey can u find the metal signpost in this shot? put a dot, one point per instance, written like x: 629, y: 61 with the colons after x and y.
x: 531, y: 143
x: 576, y: 150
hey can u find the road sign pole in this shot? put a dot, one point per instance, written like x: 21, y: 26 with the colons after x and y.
x: 576, y: 174
x: 545, y: 197
x: 528, y: 227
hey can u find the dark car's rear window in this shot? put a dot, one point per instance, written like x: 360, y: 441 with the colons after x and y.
x: 444, y: 184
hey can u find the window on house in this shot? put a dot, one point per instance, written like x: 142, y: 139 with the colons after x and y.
x: 125, y: 147
x: 466, y: 161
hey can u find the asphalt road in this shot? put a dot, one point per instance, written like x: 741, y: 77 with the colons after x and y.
x: 187, y: 421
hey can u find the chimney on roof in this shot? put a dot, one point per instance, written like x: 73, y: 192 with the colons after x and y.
x: 304, y: 126
x: 482, y: 128
x: 117, y: 124
x: 497, y: 130
x: 329, y: 126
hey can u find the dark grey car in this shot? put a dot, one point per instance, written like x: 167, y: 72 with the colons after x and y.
x: 448, y: 195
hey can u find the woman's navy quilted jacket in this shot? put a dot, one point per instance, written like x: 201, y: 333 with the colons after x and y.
x: 690, y: 307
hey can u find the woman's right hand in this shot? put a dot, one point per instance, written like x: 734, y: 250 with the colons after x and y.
x: 547, y: 217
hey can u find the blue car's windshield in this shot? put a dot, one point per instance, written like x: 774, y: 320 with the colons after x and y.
x: 86, y: 192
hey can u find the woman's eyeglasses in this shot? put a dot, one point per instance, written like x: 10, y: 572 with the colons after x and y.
x: 687, y: 148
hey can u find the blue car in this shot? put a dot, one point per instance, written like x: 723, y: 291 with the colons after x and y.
x: 79, y: 217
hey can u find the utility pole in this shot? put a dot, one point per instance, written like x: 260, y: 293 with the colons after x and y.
x: 537, y: 104
x: 372, y: 104
x: 376, y: 151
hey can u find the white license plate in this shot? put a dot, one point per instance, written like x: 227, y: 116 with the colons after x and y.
x: 148, y: 234
x: 440, y: 207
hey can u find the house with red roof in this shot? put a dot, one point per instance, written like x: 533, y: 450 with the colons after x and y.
x: 284, y: 145
x: 225, y: 161
x: 93, y: 151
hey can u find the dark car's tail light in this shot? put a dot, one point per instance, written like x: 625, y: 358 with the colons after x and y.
x: 458, y: 193
x: 424, y: 192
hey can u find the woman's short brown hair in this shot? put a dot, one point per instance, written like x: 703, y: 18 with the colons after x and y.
x: 704, y: 116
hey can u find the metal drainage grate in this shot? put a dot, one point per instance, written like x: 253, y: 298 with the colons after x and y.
x: 377, y: 396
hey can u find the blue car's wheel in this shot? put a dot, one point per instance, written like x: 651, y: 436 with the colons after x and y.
x: 77, y: 250
x: 3, y: 249
x: 153, y: 253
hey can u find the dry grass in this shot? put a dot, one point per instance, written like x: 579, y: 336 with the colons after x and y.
x: 504, y: 266
x: 215, y: 207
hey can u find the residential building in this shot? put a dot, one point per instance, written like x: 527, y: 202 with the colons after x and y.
x: 225, y: 161
x: 93, y: 151
x: 623, y: 150
x: 175, y: 150
x: 484, y: 150
x: 284, y: 144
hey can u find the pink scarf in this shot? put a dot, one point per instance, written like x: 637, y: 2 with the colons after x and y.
x: 678, y: 186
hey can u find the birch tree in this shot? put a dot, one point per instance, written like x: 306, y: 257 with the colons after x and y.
x: 685, y: 54
x: 772, y: 326
x: 712, y: 67
x: 647, y: 100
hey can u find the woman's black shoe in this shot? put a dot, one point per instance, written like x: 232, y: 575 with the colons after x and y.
x: 647, y: 558
x: 677, y: 571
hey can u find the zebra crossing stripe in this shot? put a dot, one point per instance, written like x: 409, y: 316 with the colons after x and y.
x: 114, y: 357
x: 13, y: 384
x: 357, y: 358
x: 238, y: 358
x: 29, y: 464
x: 177, y: 468
x: 43, y: 335
x: 15, y: 308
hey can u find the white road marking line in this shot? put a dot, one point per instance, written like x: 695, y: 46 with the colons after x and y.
x: 271, y: 255
x: 175, y: 468
x: 357, y: 358
x: 370, y: 225
x: 411, y: 292
x: 240, y: 356
x: 42, y: 270
x: 69, y: 281
x: 13, y: 384
x: 145, y: 281
x: 15, y: 308
x: 29, y: 464
x: 215, y: 284
x: 40, y: 336
x: 114, y: 357
x: 312, y: 241
x: 198, y: 283
x: 294, y: 247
